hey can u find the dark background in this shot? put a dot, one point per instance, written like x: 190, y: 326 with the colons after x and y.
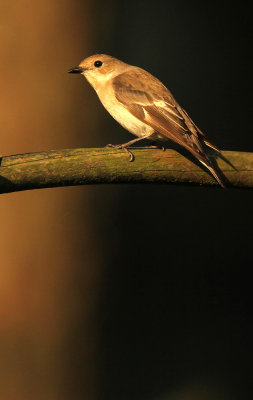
x: 175, y: 307
x: 169, y: 306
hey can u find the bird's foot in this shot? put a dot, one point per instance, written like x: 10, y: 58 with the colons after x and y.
x: 122, y: 146
x: 158, y: 145
x: 161, y: 147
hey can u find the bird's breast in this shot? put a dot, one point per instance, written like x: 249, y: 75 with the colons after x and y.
x: 120, y: 113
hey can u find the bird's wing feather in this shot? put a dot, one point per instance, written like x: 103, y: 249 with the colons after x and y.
x: 151, y: 102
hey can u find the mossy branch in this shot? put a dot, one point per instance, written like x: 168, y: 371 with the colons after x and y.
x: 107, y: 165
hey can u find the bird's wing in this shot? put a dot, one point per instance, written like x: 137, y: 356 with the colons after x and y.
x: 151, y: 102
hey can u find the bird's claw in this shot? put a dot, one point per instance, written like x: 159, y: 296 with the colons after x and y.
x: 158, y: 145
x: 121, y: 146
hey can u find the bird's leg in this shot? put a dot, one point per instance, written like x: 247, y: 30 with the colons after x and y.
x: 126, y: 145
x: 158, y: 145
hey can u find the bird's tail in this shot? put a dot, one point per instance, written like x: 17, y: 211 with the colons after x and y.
x: 199, y: 151
x: 200, y: 142
x: 209, y: 165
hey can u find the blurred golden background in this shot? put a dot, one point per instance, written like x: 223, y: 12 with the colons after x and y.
x: 50, y: 252
x: 122, y: 292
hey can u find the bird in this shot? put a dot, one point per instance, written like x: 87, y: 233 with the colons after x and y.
x: 140, y: 102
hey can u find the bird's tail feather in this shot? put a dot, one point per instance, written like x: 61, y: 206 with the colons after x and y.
x: 208, y: 164
x: 217, y: 153
x: 198, y: 150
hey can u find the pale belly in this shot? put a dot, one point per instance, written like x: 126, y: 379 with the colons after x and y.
x: 123, y: 116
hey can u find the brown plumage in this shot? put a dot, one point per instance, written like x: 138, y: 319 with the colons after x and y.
x: 144, y: 106
x: 151, y: 102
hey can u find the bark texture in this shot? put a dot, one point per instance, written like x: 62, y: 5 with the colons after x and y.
x: 106, y: 165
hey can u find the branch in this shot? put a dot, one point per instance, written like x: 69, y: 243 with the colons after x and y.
x: 107, y: 165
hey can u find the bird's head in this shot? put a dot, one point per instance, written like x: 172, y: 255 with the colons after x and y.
x: 98, y: 68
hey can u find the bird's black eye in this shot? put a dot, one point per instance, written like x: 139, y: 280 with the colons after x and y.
x: 98, y: 64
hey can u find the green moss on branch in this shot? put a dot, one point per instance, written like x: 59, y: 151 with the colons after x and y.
x: 107, y: 165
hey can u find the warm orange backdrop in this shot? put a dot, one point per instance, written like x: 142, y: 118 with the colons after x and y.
x: 49, y: 258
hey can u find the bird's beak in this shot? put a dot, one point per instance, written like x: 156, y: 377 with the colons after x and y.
x: 76, y: 70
